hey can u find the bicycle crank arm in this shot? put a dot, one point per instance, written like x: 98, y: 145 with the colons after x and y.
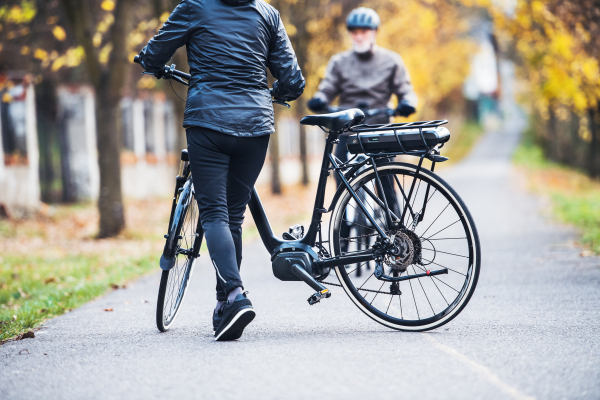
x: 382, y: 277
x: 322, y: 291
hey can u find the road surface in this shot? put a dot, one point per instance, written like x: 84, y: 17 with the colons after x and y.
x: 530, y: 331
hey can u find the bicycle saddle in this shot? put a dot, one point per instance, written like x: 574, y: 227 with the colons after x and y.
x: 335, y: 121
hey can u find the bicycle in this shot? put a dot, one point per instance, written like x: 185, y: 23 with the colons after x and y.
x: 403, y: 244
x: 356, y: 221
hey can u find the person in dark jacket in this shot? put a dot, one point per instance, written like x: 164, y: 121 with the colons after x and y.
x: 228, y: 120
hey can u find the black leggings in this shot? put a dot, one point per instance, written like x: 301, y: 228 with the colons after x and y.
x: 224, y: 170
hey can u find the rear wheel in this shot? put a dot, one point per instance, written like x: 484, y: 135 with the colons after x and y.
x: 439, y: 234
x: 183, y: 243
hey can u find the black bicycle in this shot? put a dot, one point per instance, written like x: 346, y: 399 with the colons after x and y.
x: 421, y: 238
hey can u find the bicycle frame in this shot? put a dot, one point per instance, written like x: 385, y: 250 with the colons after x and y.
x: 272, y: 242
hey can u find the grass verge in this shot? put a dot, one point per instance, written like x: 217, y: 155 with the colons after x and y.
x: 37, y: 288
x: 575, y: 197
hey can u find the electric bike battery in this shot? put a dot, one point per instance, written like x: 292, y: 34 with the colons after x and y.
x: 388, y: 141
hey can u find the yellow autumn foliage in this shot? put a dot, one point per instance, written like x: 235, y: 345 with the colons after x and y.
x: 553, y: 58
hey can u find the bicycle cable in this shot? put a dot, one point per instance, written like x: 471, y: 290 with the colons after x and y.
x: 172, y: 88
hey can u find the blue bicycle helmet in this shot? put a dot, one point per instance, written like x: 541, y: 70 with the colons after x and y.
x: 363, y: 18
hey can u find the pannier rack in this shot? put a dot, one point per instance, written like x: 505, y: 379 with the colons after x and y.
x: 402, y: 126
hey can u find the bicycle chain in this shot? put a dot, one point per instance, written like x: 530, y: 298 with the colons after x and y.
x: 358, y: 237
x: 365, y: 290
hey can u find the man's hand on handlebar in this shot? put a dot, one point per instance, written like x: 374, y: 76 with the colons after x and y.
x: 316, y: 105
x: 404, y: 109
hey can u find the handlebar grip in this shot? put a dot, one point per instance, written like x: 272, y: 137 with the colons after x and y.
x: 137, y: 59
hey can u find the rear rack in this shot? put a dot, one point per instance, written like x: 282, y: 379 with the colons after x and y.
x: 358, y: 129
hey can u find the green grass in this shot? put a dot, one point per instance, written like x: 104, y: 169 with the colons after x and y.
x: 575, y: 198
x: 35, y: 288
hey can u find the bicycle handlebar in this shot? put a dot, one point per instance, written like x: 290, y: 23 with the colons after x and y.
x: 167, y: 72
x: 368, y: 112
x: 171, y: 73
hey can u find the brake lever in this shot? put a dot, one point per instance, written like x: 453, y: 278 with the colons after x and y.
x: 180, y: 80
x: 282, y: 103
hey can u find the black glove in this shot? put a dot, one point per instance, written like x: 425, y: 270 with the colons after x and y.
x: 404, y: 109
x: 162, y: 73
x: 316, y: 105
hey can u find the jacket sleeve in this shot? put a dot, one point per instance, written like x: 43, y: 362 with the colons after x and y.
x: 284, y: 66
x: 329, y: 87
x: 173, y: 34
x: 403, y: 87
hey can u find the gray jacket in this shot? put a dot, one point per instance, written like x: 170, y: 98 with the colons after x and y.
x: 370, y: 80
x: 230, y: 44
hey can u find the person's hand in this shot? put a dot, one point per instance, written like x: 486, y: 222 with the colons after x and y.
x: 404, y: 109
x: 316, y: 104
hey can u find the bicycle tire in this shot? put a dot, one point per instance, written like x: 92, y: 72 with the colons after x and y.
x: 175, y: 281
x: 473, y: 247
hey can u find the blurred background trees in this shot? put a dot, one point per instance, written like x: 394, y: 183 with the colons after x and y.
x: 52, y: 43
x: 556, y: 44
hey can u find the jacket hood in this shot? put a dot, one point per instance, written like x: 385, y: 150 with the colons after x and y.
x: 236, y: 2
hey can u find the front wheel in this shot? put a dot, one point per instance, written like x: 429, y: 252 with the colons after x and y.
x: 437, y: 232
x: 183, y: 242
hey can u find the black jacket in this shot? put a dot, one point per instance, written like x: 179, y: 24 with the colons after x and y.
x: 230, y: 44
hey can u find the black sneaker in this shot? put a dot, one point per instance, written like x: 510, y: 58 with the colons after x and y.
x: 235, y: 317
x: 217, y: 317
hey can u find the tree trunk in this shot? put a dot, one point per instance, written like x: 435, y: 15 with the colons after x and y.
x: 108, y: 83
x: 274, y: 153
x: 300, y: 112
x: 301, y: 48
x: 110, y: 201
x: 594, y: 153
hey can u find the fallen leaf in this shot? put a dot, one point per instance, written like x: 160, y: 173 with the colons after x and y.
x: 114, y: 286
x: 107, y: 309
x: 27, y: 335
x: 50, y: 280
x: 586, y: 253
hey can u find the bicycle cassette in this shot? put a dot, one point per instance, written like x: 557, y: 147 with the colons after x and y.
x: 409, y: 251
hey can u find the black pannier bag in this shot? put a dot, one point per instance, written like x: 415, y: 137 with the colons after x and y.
x: 386, y: 141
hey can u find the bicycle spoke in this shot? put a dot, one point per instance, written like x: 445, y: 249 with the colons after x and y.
x: 423, y: 289
x: 444, y: 252
x: 413, y: 295
x: 378, y: 291
x: 388, y: 307
x: 458, y: 220
x: 436, y: 218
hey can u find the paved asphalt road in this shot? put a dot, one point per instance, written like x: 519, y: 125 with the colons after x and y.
x: 530, y: 331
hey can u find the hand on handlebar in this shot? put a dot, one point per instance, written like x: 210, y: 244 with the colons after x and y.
x: 277, y: 101
x: 166, y: 72
x: 404, y: 109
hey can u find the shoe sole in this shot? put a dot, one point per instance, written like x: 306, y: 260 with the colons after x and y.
x: 235, y: 328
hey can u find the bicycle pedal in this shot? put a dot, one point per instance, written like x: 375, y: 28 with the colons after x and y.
x: 316, y: 298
